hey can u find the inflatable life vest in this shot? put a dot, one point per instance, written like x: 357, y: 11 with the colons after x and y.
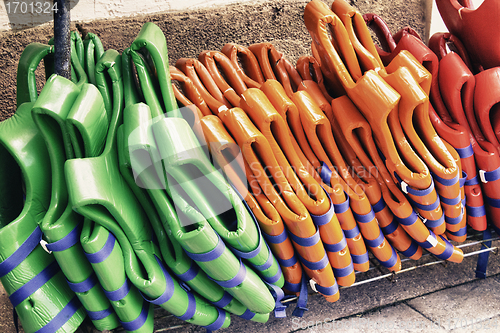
x: 120, y: 216
x: 304, y: 65
x: 463, y: 111
x: 308, y: 245
x: 318, y: 130
x: 335, y: 187
x: 476, y: 28
x: 380, y: 114
x: 250, y: 73
x: 221, y: 146
x: 403, y: 213
x: 26, y: 267
x: 413, y: 117
x: 274, y: 128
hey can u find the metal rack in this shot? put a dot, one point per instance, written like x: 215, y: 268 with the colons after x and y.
x: 474, y: 239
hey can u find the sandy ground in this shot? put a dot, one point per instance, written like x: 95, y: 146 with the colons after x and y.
x: 189, y: 33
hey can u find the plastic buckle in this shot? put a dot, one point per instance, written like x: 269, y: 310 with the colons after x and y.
x: 421, y: 217
x: 482, y: 176
x: 313, y: 286
x: 404, y: 187
x: 44, y: 243
x: 222, y: 108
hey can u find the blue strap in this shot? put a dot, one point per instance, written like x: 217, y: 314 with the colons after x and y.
x: 293, y: 287
x: 275, y: 278
x: 465, y: 152
x: 460, y: 232
x: 119, y: 293
x: 391, y: 227
x: 217, y: 324
x: 382, y: 156
x: 326, y: 217
x: 444, y: 181
x: 213, y: 254
x: 451, y: 202
x: 492, y: 202
x: 322, y: 263
x: 104, y: 252
x: 62, y: 317
x: 335, y: 247
x: 448, y: 250
x: 328, y: 291
x: 352, y: 232
x: 364, y: 218
x: 98, y: 315
x: 482, y: 259
x: 411, y: 250
x: 302, y: 299
x: 434, y: 223
x: 379, y: 205
x: 427, y: 208
x: 426, y: 244
x: 342, y: 272
x: 21, y: 252
x: 412, y: 191
x: 267, y: 264
x: 472, y: 181
x: 235, y: 280
x: 411, y: 219
x: 476, y: 211
x: 67, y: 241
x: 191, y: 273
x: 391, y: 261
x: 84, y: 286
x: 277, y: 239
x: 169, y: 288
x: 489, y: 176
x: 139, y: 321
x: 34, y: 284
x: 454, y: 220
x: 360, y: 258
x: 250, y: 254
x: 248, y: 315
x: 224, y: 301
x: 375, y: 242
x: 342, y: 207
x: 307, y: 241
x: 287, y: 262
x: 278, y: 295
x: 462, y: 179
x: 325, y: 173
x: 191, y: 308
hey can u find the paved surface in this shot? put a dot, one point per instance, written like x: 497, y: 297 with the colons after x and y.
x: 434, y: 298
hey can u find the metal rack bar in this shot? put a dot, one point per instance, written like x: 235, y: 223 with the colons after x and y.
x: 62, y: 38
x: 472, y: 238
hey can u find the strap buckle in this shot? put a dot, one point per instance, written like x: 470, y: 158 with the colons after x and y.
x: 313, y: 285
x: 404, y: 187
x: 482, y: 176
x: 421, y: 217
x: 44, y: 243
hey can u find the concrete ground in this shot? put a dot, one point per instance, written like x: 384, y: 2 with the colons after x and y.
x: 442, y: 297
